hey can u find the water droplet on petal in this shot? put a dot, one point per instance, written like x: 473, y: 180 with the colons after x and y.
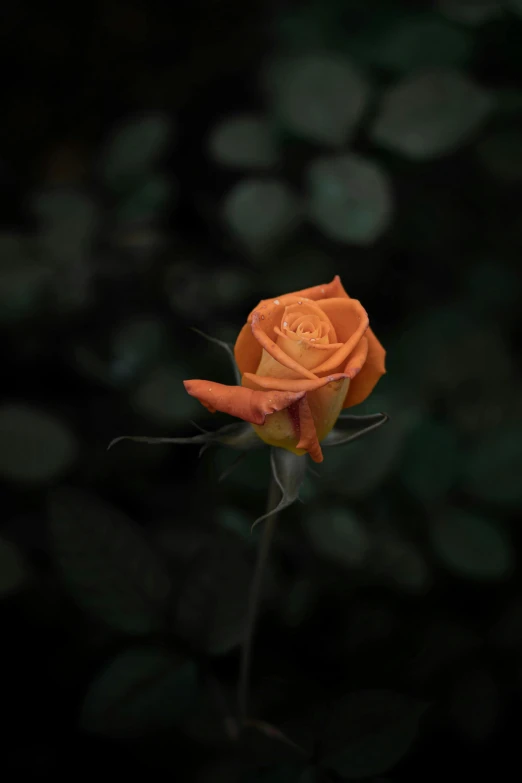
x: 285, y: 324
x: 276, y: 301
x: 262, y: 317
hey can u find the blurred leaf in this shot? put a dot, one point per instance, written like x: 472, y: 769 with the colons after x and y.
x: 501, y: 154
x: 68, y: 220
x: 339, y: 535
x: 430, y: 113
x: 473, y: 12
x: 134, y: 149
x: 107, y: 563
x: 475, y: 705
x: 494, y: 469
x: 432, y: 462
x: 35, y: 447
x: 261, y: 212
x: 161, y: 396
x: 416, y: 41
x: 141, y: 691
x: 368, y: 732
x: 350, y: 198
x: 472, y: 546
x: 136, y: 344
x: 402, y: 565
x: 506, y: 633
x: 212, y: 602
x: 244, y: 141
x: 443, y: 644
x: 515, y: 6
x: 299, y: 602
x: 320, y: 97
x: 493, y: 289
x: 289, y: 472
x: 350, y: 427
x: 13, y: 569
x: 146, y: 201
x: 23, y: 278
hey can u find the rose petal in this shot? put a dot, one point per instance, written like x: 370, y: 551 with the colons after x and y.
x: 351, y: 322
x: 373, y: 369
x: 307, y: 433
x: 247, y: 350
x: 357, y: 359
x: 251, y: 380
x: 247, y: 404
x: 277, y: 353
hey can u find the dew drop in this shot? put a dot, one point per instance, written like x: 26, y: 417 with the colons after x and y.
x: 285, y: 324
x: 276, y: 301
x: 262, y: 317
x: 322, y: 290
x: 299, y: 303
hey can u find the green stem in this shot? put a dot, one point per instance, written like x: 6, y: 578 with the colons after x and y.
x: 274, y: 495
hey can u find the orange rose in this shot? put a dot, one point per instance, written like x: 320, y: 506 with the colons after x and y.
x: 303, y: 357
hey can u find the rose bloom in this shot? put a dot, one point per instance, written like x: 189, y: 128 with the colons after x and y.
x: 303, y: 357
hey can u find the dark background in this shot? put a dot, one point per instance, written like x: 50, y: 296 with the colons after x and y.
x: 165, y: 166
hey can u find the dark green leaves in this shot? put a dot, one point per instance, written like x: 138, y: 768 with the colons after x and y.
x: 494, y: 470
x: 107, y: 563
x: 141, y: 691
x: 472, y: 546
x: 350, y: 198
x: 350, y: 427
x: 368, y: 732
x: 430, y: 113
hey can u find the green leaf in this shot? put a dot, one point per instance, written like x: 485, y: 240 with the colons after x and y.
x: 350, y: 427
x: 472, y: 546
x: 475, y: 705
x: 261, y: 212
x: 501, y: 154
x: 226, y: 347
x: 515, y: 6
x: 472, y: 12
x: 416, y: 41
x: 244, y: 141
x: 494, y: 470
x: 212, y: 601
x: 320, y: 97
x: 432, y: 462
x: 13, y: 569
x: 68, y: 221
x: 141, y: 691
x: 368, y: 732
x: 289, y: 472
x: 35, y: 448
x: 350, y: 198
x: 23, y: 278
x: 146, y: 201
x: 134, y: 149
x: 339, y: 535
x: 430, y: 113
x: 107, y: 563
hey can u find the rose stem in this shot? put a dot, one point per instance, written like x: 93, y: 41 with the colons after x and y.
x: 274, y: 494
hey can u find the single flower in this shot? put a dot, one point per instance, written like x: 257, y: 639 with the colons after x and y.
x: 303, y: 357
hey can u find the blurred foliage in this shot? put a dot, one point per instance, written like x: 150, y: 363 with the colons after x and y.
x: 165, y: 167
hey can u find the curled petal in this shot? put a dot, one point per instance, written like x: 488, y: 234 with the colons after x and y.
x: 351, y: 322
x: 286, y: 384
x: 277, y: 353
x: 307, y: 433
x: 247, y: 350
x: 247, y: 404
x: 372, y: 370
x: 357, y: 359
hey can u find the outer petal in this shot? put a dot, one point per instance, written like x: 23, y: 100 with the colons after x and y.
x: 247, y: 404
x: 247, y: 350
x: 308, y: 440
x: 373, y: 369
